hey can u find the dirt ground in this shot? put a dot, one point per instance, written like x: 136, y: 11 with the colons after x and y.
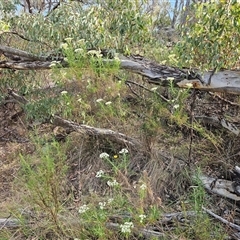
x: 13, y: 140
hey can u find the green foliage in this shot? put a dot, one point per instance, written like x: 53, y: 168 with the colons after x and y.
x: 7, y: 7
x: 21, y: 80
x: 118, y: 24
x: 202, y: 225
x: 3, y: 26
x: 41, y: 110
x: 98, y: 97
x: 44, y: 180
x: 211, y: 36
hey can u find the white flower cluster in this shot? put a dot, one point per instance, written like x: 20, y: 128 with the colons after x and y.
x: 112, y: 183
x: 83, y: 209
x: 99, y: 100
x: 176, y: 106
x: 108, y: 103
x: 78, y: 50
x: 143, y: 186
x: 142, y: 217
x: 126, y: 227
x: 154, y: 89
x: 99, y: 174
x: 68, y: 39
x: 104, y: 155
x: 64, y: 45
x: 95, y: 53
x: 102, y: 205
x: 64, y: 92
x: 123, y: 151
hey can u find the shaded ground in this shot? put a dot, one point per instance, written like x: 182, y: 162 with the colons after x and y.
x: 13, y: 140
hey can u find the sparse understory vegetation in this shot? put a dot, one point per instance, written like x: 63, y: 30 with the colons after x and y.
x: 92, y: 149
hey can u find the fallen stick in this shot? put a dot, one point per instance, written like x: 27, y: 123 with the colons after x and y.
x: 233, y: 225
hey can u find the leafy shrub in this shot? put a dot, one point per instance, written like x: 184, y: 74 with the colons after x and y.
x: 211, y: 35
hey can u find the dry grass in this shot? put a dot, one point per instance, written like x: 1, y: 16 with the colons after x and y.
x: 161, y: 162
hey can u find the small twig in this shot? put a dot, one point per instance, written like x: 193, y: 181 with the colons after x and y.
x: 17, y: 97
x: 8, y: 131
x: 210, y: 77
x: 24, y: 38
x: 130, y: 87
x: 149, y: 90
x: 224, y: 99
x: 233, y: 225
x: 53, y: 9
x: 191, y: 123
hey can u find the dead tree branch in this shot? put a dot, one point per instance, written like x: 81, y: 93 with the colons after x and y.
x: 222, y: 81
x: 235, y: 226
x: 106, y: 133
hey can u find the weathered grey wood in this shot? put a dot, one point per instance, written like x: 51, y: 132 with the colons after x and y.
x: 222, y: 81
x: 9, y: 223
x: 220, y: 187
x: 23, y: 55
x: 106, y: 133
x: 25, y: 65
x: 233, y: 225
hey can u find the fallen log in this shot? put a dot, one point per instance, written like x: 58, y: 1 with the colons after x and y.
x: 227, y: 81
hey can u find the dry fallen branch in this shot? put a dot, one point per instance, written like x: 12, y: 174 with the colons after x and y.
x: 106, y: 133
x: 9, y: 223
x: 222, y: 81
x: 82, y: 128
x: 235, y: 226
x: 220, y: 187
x: 22, y: 55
